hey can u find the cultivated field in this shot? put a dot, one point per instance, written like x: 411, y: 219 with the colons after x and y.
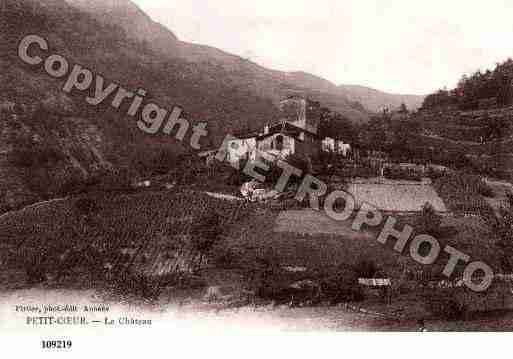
x: 397, y: 197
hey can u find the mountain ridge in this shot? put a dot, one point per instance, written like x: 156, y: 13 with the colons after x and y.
x: 375, y: 100
x: 342, y: 97
x: 264, y: 82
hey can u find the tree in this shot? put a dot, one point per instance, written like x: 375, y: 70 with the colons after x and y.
x: 497, y: 128
x: 493, y: 86
x: 429, y: 221
x: 404, y: 131
x: 502, y: 228
x: 205, y: 233
x: 336, y: 126
x: 403, y: 110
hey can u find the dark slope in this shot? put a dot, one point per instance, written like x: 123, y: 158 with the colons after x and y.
x: 204, y: 90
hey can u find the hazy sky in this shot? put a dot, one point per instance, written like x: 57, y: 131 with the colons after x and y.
x: 401, y: 46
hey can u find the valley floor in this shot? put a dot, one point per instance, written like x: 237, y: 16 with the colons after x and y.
x: 292, y: 237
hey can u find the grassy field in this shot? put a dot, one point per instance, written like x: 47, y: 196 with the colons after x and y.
x: 315, y: 222
x: 464, y: 193
x: 303, y: 238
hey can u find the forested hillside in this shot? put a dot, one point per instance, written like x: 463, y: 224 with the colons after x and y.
x: 44, y: 112
x: 480, y: 90
x: 469, y: 127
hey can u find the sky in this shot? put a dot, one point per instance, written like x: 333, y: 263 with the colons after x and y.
x: 399, y: 46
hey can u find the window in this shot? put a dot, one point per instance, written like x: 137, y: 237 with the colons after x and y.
x: 279, y: 142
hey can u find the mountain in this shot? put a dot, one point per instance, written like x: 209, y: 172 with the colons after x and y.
x: 130, y: 17
x: 375, y: 100
x: 101, y: 42
x: 238, y: 72
x: 119, y: 41
x: 355, y: 102
x: 72, y: 140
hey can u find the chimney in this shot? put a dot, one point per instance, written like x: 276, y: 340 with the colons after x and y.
x: 266, y: 129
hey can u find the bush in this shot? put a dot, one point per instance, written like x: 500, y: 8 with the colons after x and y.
x: 398, y: 174
x: 265, y: 278
x: 205, y: 234
x: 429, y: 221
x: 485, y: 190
x: 341, y: 285
x: 110, y: 226
x: 269, y: 281
x: 301, y: 163
x: 237, y: 177
x: 434, y: 174
x: 462, y: 192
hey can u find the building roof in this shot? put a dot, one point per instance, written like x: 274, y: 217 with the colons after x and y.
x: 244, y: 136
x: 287, y: 129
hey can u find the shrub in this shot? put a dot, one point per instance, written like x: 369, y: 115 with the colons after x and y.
x: 429, y: 221
x: 205, y: 234
x: 462, y: 192
x: 484, y: 189
x: 434, y: 174
x: 399, y: 174
x: 502, y: 229
x: 301, y: 163
x: 237, y: 177
x: 261, y: 272
x: 224, y: 257
x: 341, y: 285
x: 273, y: 174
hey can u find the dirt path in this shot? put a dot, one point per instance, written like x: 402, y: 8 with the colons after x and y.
x: 33, y: 206
x: 227, y: 197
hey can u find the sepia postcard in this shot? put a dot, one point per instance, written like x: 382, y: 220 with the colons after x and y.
x: 197, y: 178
